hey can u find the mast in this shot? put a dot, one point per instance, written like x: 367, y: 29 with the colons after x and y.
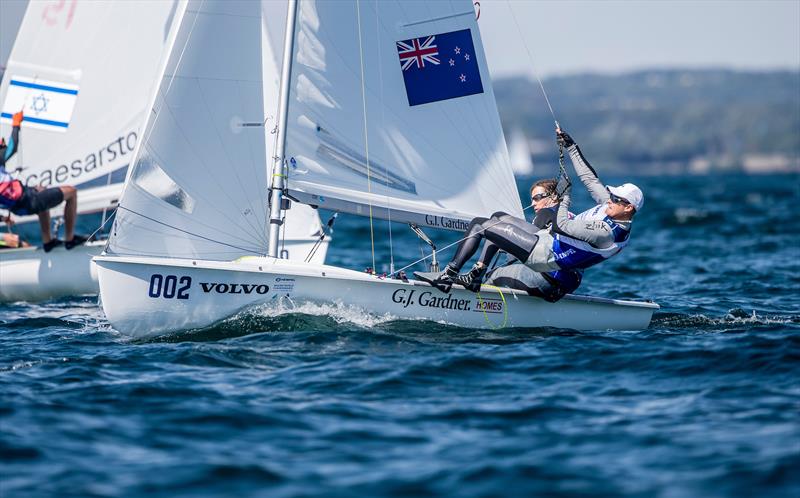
x: 278, y: 177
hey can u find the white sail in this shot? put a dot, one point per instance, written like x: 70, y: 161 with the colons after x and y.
x: 436, y: 162
x: 199, y: 184
x: 520, y: 153
x: 82, y: 72
x: 197, y: 187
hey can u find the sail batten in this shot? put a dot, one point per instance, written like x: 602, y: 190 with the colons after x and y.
x: 436, y: 147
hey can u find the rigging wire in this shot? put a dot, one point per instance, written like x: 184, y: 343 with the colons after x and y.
x: 366, y: 132
x: 451, y: 245
x: 533, y: 65
x: 187, y: 232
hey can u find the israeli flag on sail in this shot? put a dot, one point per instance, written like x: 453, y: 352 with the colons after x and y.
x: 47, y: 105
x: 439, y: 67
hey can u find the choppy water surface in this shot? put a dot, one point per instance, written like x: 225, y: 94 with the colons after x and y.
x: 330, y: 401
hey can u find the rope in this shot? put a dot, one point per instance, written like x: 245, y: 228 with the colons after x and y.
x: 505, y: 307
x: 533, y: 66
x: 366, y: 132
x: 105, y: 221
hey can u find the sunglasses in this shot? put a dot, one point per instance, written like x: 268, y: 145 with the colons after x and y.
x: 539, y: 197
x: 618, y: 200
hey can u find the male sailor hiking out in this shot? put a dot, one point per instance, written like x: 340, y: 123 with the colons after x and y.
x: 550, y: 286
x: 590, y: 238
x: 23, y: 200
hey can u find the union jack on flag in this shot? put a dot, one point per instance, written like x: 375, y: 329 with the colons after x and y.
x: 417, y: 51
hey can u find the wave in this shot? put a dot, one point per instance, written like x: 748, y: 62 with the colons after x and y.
x: 736, y: 317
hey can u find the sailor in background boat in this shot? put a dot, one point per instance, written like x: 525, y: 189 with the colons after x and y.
x: 591, y: 237
x: 23, y: 200
x: 550, y: 286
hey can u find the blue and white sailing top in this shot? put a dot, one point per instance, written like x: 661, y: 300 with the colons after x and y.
x: 588, y: 238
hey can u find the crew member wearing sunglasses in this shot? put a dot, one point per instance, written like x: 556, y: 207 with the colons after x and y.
x: 550, y: 286
x: 569, y: 244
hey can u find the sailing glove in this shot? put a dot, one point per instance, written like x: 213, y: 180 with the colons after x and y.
x: 17, y: 119
x: 563, y: 138
x: 563, y: 185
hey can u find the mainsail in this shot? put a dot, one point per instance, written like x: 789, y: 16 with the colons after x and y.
x: 81, y: 73
x: 392, y: 114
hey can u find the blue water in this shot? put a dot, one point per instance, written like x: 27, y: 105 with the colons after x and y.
x: 335, y: 402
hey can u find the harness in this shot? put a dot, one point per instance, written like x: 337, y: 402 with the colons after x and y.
x: 573, y: 253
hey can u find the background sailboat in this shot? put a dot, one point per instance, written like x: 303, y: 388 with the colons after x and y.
x: 362, y: 135
x: 83, y: 73
x: 520, y: 154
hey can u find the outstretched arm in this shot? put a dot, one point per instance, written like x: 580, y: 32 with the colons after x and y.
x: 584, y: 170
x: 13, y: 140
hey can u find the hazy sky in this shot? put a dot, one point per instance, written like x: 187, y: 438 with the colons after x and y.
x: 567, y: 36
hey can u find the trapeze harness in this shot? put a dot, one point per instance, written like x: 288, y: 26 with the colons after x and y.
x: 573, y: 253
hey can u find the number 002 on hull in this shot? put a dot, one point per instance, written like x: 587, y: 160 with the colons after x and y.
x: 150, y: 296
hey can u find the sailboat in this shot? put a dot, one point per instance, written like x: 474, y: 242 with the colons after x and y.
x: 82, y: 72
x: 362, y: 129
x: 520, y: 154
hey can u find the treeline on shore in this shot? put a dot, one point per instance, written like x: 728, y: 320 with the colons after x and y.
x: 664, y: 121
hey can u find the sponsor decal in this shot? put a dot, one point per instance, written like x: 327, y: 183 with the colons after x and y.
x: 489, y: 305
x: 565, y: 254
x: 443, y: 222
x: 225, y: 288
x: 178, y: 287
x: 408, y: 297
x: 108, y: 157
x: 435, y: 299
x: 283, y: 284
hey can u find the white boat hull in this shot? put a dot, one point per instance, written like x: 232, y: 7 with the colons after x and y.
x: 30, y: 274
x: 151, y: 296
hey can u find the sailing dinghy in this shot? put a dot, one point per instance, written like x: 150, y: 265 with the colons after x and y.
x: 362, y: 129
x: 83, y: 73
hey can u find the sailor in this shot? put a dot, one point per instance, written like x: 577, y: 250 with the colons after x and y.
x: 591, y: 237
x: 10, y: 240
x: 550, y: 286
x: 23, y: 200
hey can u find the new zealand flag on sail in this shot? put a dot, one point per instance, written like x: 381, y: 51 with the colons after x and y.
x: 439, y: 67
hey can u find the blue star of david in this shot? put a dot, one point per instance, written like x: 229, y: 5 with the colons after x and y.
x: 39, y: 103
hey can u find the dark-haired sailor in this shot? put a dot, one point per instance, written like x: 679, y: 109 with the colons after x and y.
x: 22, y: 200
x: 591, y: 237
x: 550, y: 286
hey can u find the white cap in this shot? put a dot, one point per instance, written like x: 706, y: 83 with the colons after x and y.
x: 630, y: 193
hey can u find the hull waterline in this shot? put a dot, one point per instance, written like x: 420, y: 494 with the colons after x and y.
x: 152, y: 296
